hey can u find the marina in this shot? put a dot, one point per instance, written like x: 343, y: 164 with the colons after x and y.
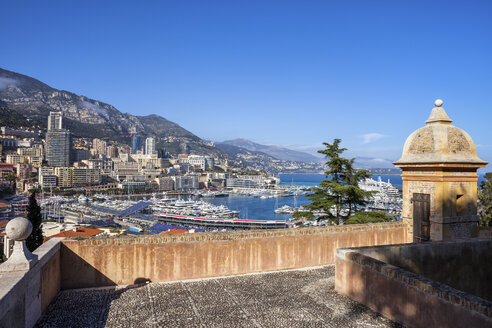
x: 212, y: 210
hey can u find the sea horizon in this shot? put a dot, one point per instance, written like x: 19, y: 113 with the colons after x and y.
x: 314, y: 179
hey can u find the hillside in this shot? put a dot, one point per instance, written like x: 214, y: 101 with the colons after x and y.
x: 277, y: 152
x: 85, y: 117
x: 25, y: 101
x: 243, y: 157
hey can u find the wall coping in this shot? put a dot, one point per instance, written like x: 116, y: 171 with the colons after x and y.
x: 426, y: 285
x: 233, y: 235
x: 16, y: 284
x: 47, y: 250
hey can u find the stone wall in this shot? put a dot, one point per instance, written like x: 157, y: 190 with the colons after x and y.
x: 385, y: 279
x: 129, y: 260
x: 461, y: 264
x: 453, y: 199
x: 484, y: 232
x: 24, y: 295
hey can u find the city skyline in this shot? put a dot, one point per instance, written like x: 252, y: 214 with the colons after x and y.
x: 290, y: 74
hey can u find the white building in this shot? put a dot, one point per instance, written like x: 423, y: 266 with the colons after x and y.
x: 47, y: 177
x: 99, y: 147
x: 203, y: 162
x: 14, y: 159
x: 55, y: 121
x: 150, y: 146
x: 187, y: 182
x: 241, y: 183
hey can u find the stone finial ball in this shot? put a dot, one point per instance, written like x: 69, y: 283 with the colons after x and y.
x: 438, y: 102
x: 18, y: 229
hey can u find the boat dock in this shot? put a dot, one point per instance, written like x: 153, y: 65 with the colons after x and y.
x: 217, y: 223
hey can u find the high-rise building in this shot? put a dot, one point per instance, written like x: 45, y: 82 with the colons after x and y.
x: 136, y: 144
x: 112, y: 151
x: 55, y: 121
x: 58, y: 147
x: 58, y: 142
x: 150, y: 146
x: 99, y: 146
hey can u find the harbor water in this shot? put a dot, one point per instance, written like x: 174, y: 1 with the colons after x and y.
x: 263, y: 209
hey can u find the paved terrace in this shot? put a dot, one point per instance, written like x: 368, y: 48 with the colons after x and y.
x: 296, y: 298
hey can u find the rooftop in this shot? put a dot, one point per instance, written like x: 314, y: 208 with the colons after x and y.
x: 295, y: 298
x: 79, y: 232
x: 173, y: 231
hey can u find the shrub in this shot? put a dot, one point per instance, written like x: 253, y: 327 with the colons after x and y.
x: 369, y: 217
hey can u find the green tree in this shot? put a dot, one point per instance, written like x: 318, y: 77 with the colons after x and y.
x: 35, y: 239
x: 369, y: 217
x: 303, y: 215
x: 339, y: 195
x: 12, y: 179
x: 485, y: 201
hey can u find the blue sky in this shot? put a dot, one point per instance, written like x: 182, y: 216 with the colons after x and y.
x: 277, y: 72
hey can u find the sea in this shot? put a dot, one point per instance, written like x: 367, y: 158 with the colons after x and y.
x: 263, y: 209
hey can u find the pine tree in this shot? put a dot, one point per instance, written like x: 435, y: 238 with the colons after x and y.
x: 485, y: 201
x: 340, y: 194
x: 34, y: 215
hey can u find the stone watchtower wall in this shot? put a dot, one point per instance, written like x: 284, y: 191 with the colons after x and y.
x: 439, y: 165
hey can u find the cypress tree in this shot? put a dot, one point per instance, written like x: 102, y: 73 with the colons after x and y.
x: 34, y: 215
x: 339, y: 195
x: 485, y: 201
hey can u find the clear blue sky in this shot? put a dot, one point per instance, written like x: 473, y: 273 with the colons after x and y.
x: 276, y: 72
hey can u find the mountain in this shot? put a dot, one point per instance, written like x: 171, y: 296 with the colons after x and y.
x: 10, y: 118
x: 370, y: 163
x: 277, y: 152
x: 25, y: 101
x: 83, y: 116
x: 246, y: 158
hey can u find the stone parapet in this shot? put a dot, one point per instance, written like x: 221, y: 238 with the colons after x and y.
x: 233, y: 235
x: 24, y: 295
x: 128, y: 260
x: 375, y: 277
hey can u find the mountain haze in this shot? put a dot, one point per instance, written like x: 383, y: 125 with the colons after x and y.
x: 370, y: 163
x: 277, y: 152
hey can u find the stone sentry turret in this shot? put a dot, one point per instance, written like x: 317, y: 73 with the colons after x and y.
x: 439, y: 171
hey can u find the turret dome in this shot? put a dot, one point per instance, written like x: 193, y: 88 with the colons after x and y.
x: 439, y: 142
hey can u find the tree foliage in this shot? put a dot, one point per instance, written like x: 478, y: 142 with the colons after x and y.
x: 369, y: 217
x: 485, y: 201
x: 339, y: 195
x: 35, y: 239
x: 303, y: 215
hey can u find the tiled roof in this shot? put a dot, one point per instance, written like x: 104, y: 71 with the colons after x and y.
x: 173, y: 231
x: 79, y: 232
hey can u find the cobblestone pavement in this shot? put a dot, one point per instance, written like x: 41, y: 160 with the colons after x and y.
x: 297, y: 298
